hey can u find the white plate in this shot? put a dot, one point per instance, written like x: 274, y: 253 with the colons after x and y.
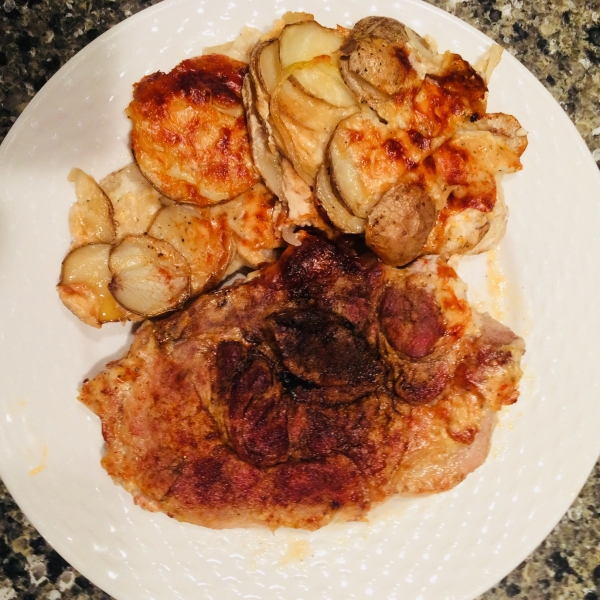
x: 453, y: 545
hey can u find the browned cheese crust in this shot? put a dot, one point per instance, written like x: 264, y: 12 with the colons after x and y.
x: 311, y: 392
x: 420, y: 165
x: 189, y: 132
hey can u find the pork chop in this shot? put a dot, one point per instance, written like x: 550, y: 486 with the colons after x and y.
x: 312, y: 391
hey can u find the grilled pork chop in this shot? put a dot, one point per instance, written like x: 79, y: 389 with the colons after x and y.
x: 321, y: 386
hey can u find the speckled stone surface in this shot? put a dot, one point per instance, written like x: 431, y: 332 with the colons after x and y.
x: 558, y: 41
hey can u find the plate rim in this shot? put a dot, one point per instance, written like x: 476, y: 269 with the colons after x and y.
x: 44, y: 528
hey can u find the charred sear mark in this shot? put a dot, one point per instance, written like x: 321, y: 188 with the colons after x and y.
x: 256, y: 411
x: 313, y: 264
x: 421, y: 382
x: 330, y: 360
x: 291, y: 382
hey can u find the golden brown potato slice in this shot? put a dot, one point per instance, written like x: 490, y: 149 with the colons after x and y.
x: 91, y: 217
x: 366, y: 158
x: 251, y: 217
x: 149, y: 277
x: 83, y: 286
x: 398, y: 225
x: 201, y: 237
x: 135, y: 201
x: 410, y: 85
x: 471, y: 163
x: 189, y: 133
x: 303, y: 41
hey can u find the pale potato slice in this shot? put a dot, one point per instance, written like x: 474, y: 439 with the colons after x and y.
x: 201, y: 237
x: 261, y: 80
x: 83, y: 286
x: 135, y: 201
x: 303, y: 41
x: 305, y: 124
x: 267, y: 161
x: 91, y: 217
x: 287, y: 18
x: 255, y: 75
x: 489, y: 61
x: 338, y: 214
x: 322, y: 79
x: 268, y: 65
x: 149, y: 277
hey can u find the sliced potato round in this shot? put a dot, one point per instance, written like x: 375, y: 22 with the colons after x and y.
x: 266, y: 161
x: 305, y: 124
x: 398, y: 225
x: 305, y: 40
x: 361, y: 89
x: 204, y: 241
x: 338, y: 214
x: 287, y: 19
x: 149, y: 277
x: 268, y: 66
x: 379, y: 27
x: 264, y: 73
x: 91, y: 217
x: 322, y: 79
x: 83, y: 286
x: 366, y: 158
x: 377, y: 53
x: 135, y: 201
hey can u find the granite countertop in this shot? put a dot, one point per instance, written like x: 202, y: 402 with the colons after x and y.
x: 558, y: 41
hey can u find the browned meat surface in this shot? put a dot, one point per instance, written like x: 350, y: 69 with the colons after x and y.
x: 316, y: 389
